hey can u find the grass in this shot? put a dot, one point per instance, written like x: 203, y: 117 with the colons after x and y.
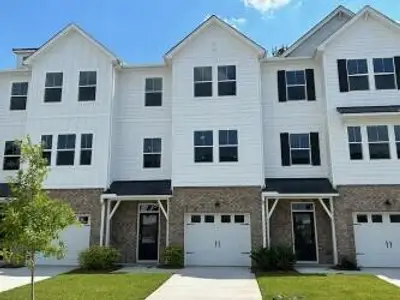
x: 92, y: 286
x: 333, y: 287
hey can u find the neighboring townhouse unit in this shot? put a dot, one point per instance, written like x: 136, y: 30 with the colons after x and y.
x: 221, y: 149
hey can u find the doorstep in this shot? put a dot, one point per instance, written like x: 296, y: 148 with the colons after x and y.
x: 140, y: 268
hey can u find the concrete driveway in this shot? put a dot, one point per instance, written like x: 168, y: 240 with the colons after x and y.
x: 12, y: 278
x: 391, y: 275
x: 211, y: 283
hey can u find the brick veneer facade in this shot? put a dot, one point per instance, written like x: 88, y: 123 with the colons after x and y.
x: 360, y: 198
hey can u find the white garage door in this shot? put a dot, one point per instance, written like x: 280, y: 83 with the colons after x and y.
x: 377, y: 238
x: 217, y: 240
x: 76, y: 239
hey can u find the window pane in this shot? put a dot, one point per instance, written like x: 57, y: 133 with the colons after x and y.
x: 47, y: 156
x: 376, y: 218
x: 66, y: 141
x: 397, y: 132
x: 86, y: 157
x: 87, y: 140
x: 52, y: 95
x: 203, y: 138
x: 203, y: 154
x: 362, y: 219
x: 209, y: 219
x: 203, y: 89
x: 19, y: 89
x: 385, y: 82
x: 295, y: 77
x: 156, y: 145
x: 398, y: 149
x: 358, y: 83
x: 18, y: 103
x: 299, y: 140
x: 394, y: 218
x: 87, y: 93
x: 378, y: 133
x: 296, y: 93
x: 379, y: 151
x: 227, y: 88
x: 202, y: 74
x: 152, y: 160
x: 356, y: 151
x: 87, y: 78
x: 383, y: 65
x: 302, y: 206
x: 357, y: 66
x: 354, y: 134
x: 54, y: 79
x: 65, y: 158
x: 153, y: 84
x: 300, y: 157
x: 239, y: 218
x: 47, y: 141
x: 228, y: 137
x: 153, y: 99
x: 227, y: 154
x: 11, y: 163
x: 12, y: 148
x: 195, y: 219
x: 226, y: 73
x: 225, y: 219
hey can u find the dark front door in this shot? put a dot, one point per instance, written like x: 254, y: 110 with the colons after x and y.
x: 148, y: 237
x: 304, y: 236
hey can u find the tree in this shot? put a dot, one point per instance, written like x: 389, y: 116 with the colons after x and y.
x: 32, y: 220
x: 278, y: 51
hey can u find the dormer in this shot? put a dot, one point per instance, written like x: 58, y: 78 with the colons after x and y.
x: 21, y: 54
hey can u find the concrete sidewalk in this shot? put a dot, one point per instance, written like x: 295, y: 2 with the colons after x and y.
x: 13, y: 278
x: 209, y: 284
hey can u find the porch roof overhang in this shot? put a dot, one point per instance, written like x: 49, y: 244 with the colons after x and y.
x: 139, y: 190
x: 298, y: 188
x: 360, y: 111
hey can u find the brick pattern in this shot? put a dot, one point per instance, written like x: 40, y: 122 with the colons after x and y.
x: 360, y: 198
x: 215, y: 200
x: 282, y: 232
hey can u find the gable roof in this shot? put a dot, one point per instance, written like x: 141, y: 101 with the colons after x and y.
x: 313, y: 30
x: 63, y: 32
x: 367, y: 10
x: 207, y: 23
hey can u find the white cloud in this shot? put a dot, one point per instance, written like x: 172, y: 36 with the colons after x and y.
x: 234, y: 22
x: 265, y: 5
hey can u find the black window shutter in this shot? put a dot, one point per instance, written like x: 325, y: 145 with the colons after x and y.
x: 397, y: 67
x: 342, y: 71
x: 310, y: 85
x: 282, y: 86
x: 315, y: 153
x: 285, y: 154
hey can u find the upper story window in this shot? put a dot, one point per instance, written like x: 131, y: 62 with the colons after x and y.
x: 378, y: 142
x: 357, y: 71
x: 227, y: 81
x: 47, y: 145
x: 86, y: 149
x: 355, y: 142
x: 153, y: 91
x: 300, y: 149
x: 296, y: 85
x: 66, y: 149
x: 53, y: 87
x: 19, y: 95
x: 203, y: 146
x: 152, y: 153
x: 202, y: 77
x: 87, y: 85
x: 397, y: 138
x: 385, y: 77
x: 228, y: 146
x: 12, y: 156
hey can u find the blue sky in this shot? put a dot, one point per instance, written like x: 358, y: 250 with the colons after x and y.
x: 142, y: 31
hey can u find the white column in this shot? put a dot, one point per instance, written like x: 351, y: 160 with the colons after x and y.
x: 333, y: 225
x: 108, y: 222
x: 167, y: 225
x: 268, y: 223
x: 103, y: 210
x: 264, y: 237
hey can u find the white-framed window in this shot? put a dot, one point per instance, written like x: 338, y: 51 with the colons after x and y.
x: 83, y: 219
x: 228, y: 146
x: 152, y: 153
x: 227, y: 80
x: 87, y: 85
x: 12, y: 156
x: 385, y: 76
x: 202, y: 78
x: 66, y: 149
x: 203, y: 146
x: 47, y: 146
x: 300, y: 148
x: 19, y: 95
x: 148, y: 207
x: 355, y: 142
x: 53, y: 87
x: 296, y: 86
x: 86, y: 149
x: 378, y: 142
x: 357, y: 74
x: 397, y: 139
x: 302, y: 206
x: 153, y: 91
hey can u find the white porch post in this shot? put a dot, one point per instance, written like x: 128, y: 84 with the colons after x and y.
x: 103, y: 210
x: 108, y: 222
x: 167, y: 225
x: 333, y: 225
x: 269, y: 215
x: 264, y: 237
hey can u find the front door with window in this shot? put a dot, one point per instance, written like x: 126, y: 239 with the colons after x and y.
x: 304, y: 236
x: 148, y: 236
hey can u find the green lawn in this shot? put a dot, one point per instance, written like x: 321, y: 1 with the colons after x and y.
x: 332, y: 287
x: 92, y: 287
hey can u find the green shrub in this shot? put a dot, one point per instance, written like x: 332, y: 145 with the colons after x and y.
x: 99, y: 258
x: 279, y: 258
x: 173, y: 257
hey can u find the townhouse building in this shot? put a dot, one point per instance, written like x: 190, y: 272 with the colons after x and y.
x: 221, y: 149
